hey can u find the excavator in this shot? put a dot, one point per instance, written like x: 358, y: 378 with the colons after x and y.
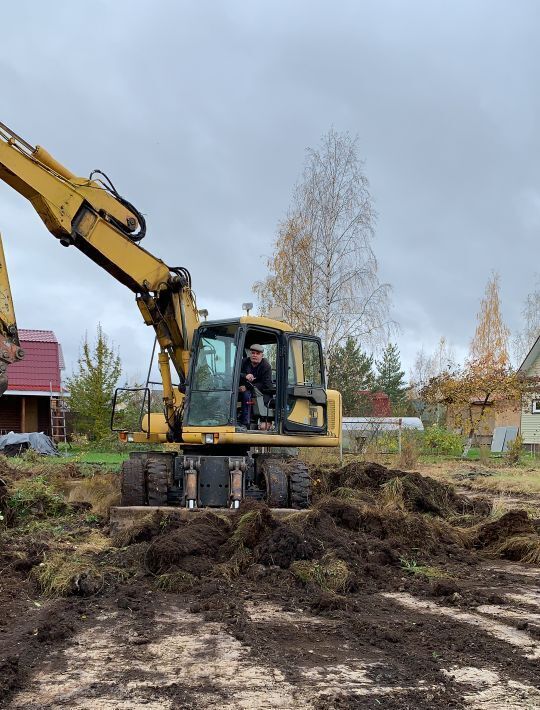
x: 211, y: 461
x: 10, y: 347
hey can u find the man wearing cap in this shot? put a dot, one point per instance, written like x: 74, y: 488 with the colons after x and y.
x: 256, y: 372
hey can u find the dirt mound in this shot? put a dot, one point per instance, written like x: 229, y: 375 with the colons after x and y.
x: 197, y: 538
x: 511, y: 524
x: 413, y: 491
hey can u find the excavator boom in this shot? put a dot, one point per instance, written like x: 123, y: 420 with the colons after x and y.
x: 91, y: 215
x: 10, y: 349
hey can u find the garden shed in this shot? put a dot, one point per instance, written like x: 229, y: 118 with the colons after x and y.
x: 34, y: 399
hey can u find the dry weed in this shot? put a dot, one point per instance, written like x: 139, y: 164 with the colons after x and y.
x: 179, y: 581
x: 329, y: 573
x: 520, y: 548
x: 101, y: 491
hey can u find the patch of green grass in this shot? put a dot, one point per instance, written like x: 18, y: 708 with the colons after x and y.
x: 413, y: 567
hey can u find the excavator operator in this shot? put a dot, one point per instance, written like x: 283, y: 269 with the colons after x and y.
x: 256, y: 371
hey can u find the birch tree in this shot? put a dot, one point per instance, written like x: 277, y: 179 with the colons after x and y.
x: 525, y: 338
x: 323, y: 271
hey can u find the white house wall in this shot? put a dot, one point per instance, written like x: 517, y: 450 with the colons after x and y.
x: 530, y: 423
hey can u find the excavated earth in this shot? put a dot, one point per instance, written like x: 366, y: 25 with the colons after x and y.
x: 393, y: 592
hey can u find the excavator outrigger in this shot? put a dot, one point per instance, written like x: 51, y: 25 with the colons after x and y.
x: 217, y: 462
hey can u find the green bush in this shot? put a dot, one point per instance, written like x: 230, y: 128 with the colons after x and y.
x: 515, y: 449
x: 440, y: 441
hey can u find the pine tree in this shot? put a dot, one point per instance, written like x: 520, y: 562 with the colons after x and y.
x: 351, y: 372
x: 91, y: 387
x: 390, y: 376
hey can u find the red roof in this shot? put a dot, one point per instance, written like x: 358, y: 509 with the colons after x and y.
x: 40, y: 369
x: 37, y: 336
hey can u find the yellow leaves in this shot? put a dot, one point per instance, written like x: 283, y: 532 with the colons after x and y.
x: 490, y: 342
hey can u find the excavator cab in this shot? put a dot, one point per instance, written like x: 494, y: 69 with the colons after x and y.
x: 295, y: 404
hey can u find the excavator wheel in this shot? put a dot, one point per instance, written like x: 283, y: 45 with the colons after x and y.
x: 132, y: 482
x: 299, y: 485
x: 277, y: 489
x: 157, y: 481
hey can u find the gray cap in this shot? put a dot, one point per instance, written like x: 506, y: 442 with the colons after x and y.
x: 257, y: 347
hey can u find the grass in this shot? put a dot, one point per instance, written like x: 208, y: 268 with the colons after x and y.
x: 176, y: 581
x: 522, y: 548
x: 329, y: 573
x: 413, y: 567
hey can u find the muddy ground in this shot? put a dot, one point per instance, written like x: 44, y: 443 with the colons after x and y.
x: 394, y: 592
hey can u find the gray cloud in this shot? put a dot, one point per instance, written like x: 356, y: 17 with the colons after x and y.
x: 201, y: 113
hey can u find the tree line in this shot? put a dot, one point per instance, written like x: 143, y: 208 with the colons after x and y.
x: 323, y: 278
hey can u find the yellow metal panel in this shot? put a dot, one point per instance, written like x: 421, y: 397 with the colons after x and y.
x: 266, y: 323
x: 190, y: 435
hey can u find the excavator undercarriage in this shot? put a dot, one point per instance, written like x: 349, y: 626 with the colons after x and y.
x: 196, y: 479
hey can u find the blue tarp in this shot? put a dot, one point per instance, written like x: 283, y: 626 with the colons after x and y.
x: 34, y: 440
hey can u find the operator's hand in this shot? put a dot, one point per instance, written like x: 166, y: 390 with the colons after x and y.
x: 250, y: 377
x: 242, y: 388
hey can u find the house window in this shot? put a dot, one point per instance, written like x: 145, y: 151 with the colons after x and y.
x: 536, y: 406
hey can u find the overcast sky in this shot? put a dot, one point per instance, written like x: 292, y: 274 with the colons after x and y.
x: 201, y: 112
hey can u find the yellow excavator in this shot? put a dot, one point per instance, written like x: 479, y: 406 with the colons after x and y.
x: 217, y: 461
x: 10, y: 348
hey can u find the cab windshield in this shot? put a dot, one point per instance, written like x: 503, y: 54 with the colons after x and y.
x: 212, y: 379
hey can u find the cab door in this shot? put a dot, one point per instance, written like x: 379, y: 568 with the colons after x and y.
x: 304, y: 402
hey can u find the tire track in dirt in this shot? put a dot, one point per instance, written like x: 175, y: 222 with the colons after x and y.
x: 283, y: 658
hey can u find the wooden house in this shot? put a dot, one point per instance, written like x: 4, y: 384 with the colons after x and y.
x: 33, y: 400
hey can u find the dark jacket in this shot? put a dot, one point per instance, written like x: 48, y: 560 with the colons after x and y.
x: 262, y: 374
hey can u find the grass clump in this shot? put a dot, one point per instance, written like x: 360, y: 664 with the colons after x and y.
x: 238, y: 562
x: 329, y: 573
x: 519, y: 548
x: 347, y: 493
x: 35, y: 497
x: 63, y: 574
x: 101, y: 491
x: 392, y: 493
x: 179, y: 581
x: 143, y: 530
x: 413, y: 567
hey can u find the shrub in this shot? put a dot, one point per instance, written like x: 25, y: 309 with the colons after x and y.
x: 440, y: 441
x: 410, y: 450
x: 513, y: 453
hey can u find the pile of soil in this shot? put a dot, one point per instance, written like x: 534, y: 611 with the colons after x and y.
x: 421, y: 494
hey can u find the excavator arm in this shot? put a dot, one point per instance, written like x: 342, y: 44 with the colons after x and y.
x: 90, y: 215
x: 10, y: 349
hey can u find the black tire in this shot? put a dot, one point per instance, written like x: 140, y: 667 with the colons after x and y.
x: 277, y: 488
x: 132, y: 482
x: 299, y: 485
x: 157, y: 481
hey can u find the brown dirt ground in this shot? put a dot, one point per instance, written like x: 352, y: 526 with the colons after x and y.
x: 368, y: 601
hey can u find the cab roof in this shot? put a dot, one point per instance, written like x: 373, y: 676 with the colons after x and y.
x: 252, y: 320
